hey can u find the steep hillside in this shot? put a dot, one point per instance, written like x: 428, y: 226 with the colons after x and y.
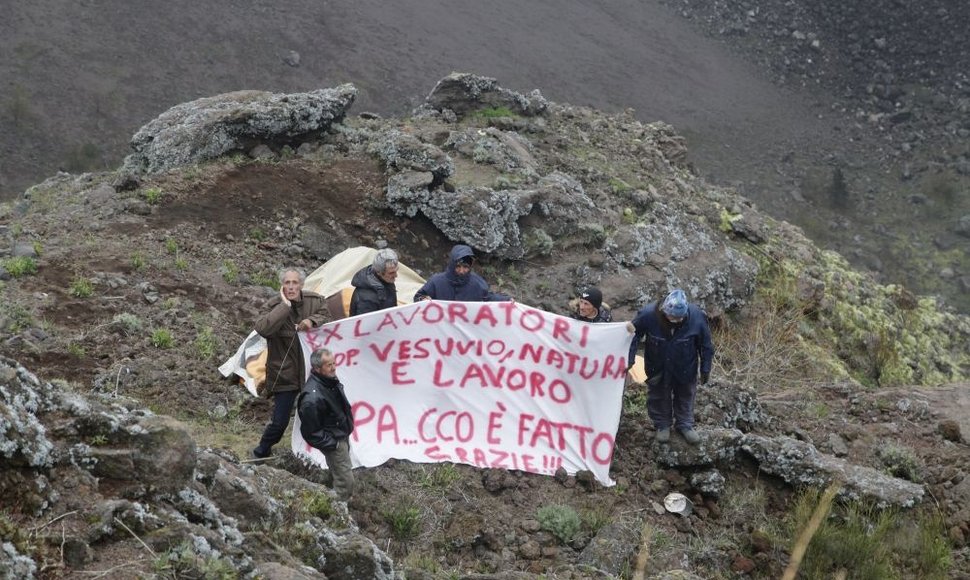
x: 130, y: 287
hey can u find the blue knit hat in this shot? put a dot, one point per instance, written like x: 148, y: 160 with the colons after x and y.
x: 675, y: 304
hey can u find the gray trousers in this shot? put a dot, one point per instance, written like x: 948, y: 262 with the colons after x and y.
x: 338, y: 462
x: 669, y: 403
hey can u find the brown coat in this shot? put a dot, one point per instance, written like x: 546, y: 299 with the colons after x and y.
x: 285, y: 368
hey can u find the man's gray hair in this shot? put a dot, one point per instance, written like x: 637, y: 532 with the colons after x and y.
x: 383, y: 259
x: 317, y: 357
x: 298, y: 271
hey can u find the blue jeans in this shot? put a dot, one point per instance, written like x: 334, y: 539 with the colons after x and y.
x: 669, y: 403
x: 282, y: 409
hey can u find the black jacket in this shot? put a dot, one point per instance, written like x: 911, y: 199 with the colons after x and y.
x: 325, y: 415
x: 371, y: 293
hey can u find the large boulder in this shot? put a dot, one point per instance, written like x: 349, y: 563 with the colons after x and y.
x: 214, y: 126
x: 463, y: 93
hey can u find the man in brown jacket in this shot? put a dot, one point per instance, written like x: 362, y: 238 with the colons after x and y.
x: 289, y: 313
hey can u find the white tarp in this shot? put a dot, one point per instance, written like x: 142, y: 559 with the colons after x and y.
x: 494, y: 384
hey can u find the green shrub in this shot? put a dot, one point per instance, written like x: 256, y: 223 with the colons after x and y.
x: 269, y: 280
x: 318, y: 504
x: 440, y: 476
x: 561, y: 521
x: 138, y: 261
x: 181, y: 264
x: 404, y: 519
x: 15, y: 316
x: 493, y: 112
x: 20, y: 266
x: 171, y: 246
x: 206, y: 343
x: 230, y: 273
x: 129, y: 323
x: 152, y: 195
x: 76, y: 350
x: 81, y: 288
x: 38, y: 248
x: 162, y: 338
x: 257, y: 234
x: 538, y: 242
x: 901, y: 462
x: 861, y: 541
x: 182, y: 562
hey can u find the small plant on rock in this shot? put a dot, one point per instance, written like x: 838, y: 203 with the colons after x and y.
x: 561, y: 521
x: 318, y: 504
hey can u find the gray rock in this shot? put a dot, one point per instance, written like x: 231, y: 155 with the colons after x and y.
x: 22, y: 250
x: 292, y: 58
x: 402, y: 152
x: 214, y: 126
x: 799, y: 463
x: 963, y: 226
x: 463, y: 93
x: 611, y: 549
x: 709, y: 482
x: 837, y: 445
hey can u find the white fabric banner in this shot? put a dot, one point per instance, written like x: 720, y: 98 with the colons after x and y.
x: 490, y: 384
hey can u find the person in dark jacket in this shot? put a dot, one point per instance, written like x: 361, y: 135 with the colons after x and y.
x: 374, y: 287
x: 458, y: 282
x: 289, y: 313
x: 589, y: 306
x: 678, y: 341
x: 326, y: 420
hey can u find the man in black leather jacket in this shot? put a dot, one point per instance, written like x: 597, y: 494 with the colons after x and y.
x: 326, y: 421
x: 374, y: 287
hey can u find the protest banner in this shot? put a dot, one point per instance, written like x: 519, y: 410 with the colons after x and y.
x: 490, y: 384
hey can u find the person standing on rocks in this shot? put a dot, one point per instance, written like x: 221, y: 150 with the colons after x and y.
x: 589, y: 306
x: 326, y: 420
x: 458, y: 281
x: 678, y: 341
x: 293, y: 311
x: 374, y: 287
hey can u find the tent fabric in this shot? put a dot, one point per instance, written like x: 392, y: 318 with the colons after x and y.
x: 335, y: 275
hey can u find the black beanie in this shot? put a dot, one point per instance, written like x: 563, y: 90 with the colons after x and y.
x: 593, y: 296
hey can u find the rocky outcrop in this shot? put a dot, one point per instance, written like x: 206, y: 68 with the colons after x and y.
x: 116, y: 473
x: 796, y: 462
x: 463, y: 93
x: 208, y: 128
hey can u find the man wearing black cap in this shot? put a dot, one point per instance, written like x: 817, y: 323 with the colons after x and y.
x: 589, y: 307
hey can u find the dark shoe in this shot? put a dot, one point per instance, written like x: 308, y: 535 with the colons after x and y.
x: 663, y: 435
x: 691, y: 436
x: 257, y: 454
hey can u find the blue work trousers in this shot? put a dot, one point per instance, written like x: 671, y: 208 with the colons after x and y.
x: 670, y: 404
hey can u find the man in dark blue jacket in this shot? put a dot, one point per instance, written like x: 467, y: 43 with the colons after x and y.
x: 458, y: 282
x: 326, y: 421
x: 677, y: 339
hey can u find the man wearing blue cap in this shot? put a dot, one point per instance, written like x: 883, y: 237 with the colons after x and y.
x: 677, y: 340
